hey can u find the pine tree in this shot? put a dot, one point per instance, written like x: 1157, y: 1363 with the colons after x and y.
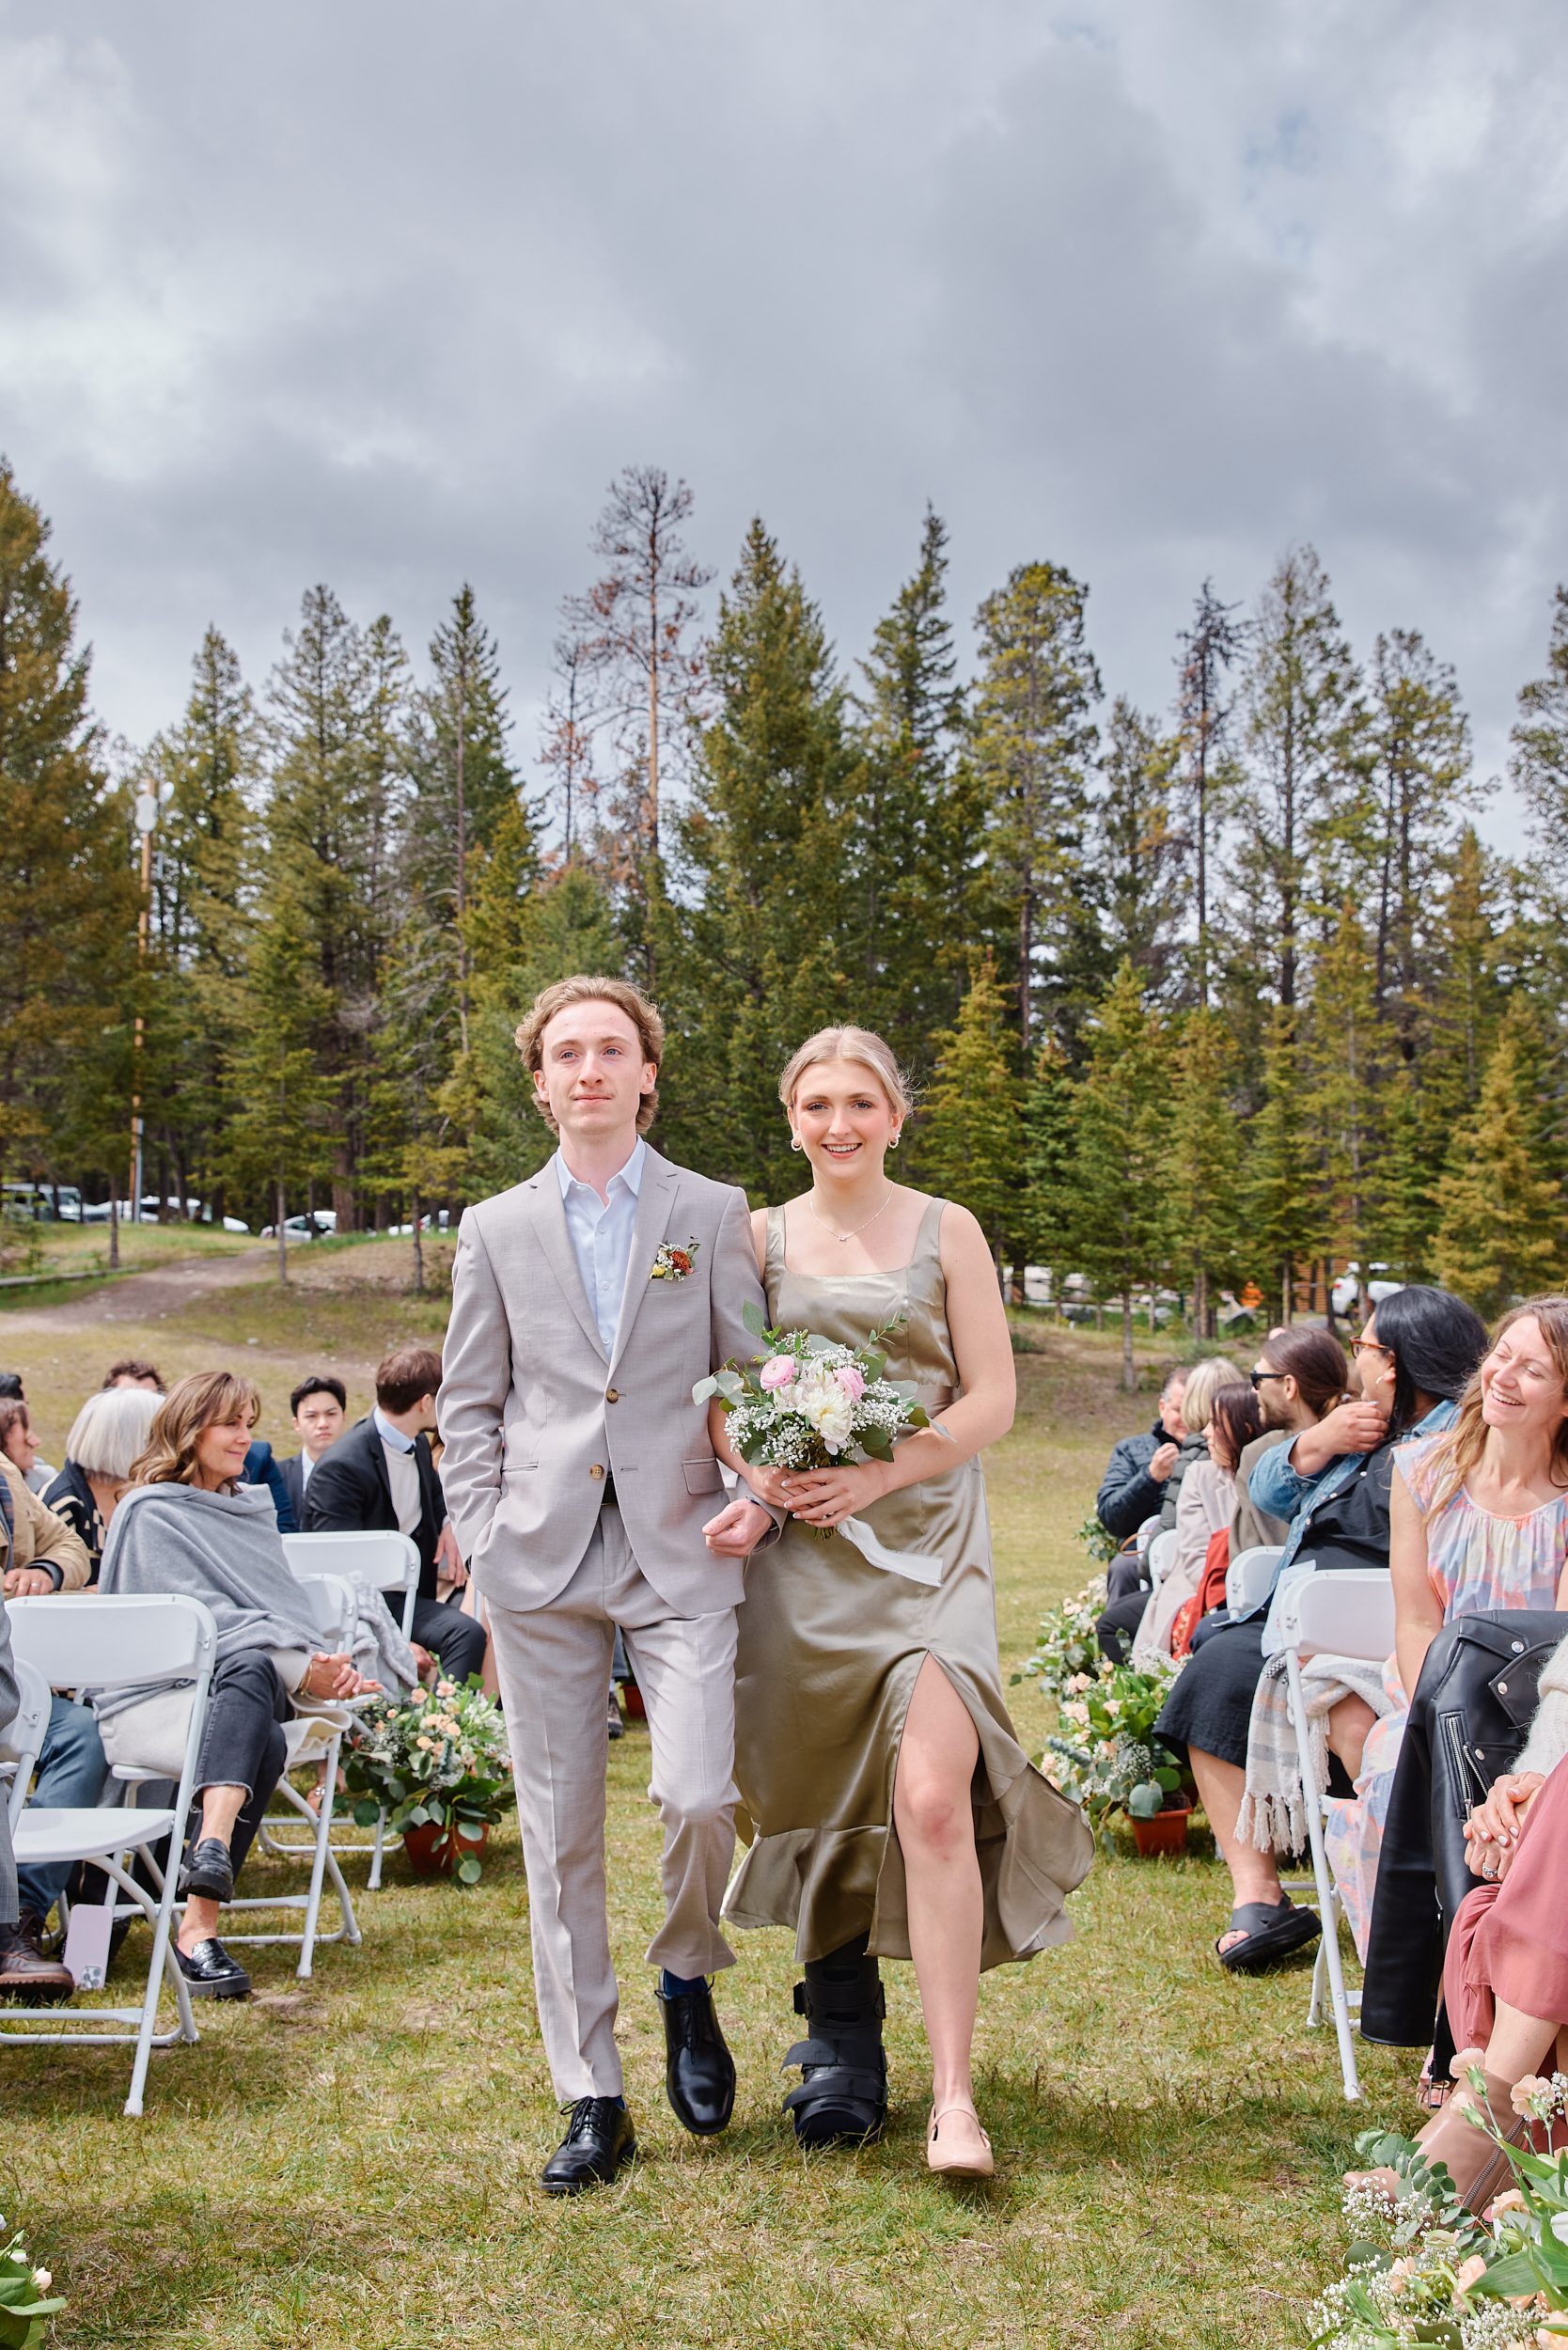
x: 1304, y: 729
x: 1208, y: 648
x: 337, y: 702
x: 204, y: 878
x: 1422, y: 750
x: 278, y: 1138
x: 1203, y: 1170
x: 972, y: 1139
x: 1340, y: 1065
x: 1403, y: 1206
x: 1120, y: 1224
x: 910, y: 852
x: 69, y: 897
x: 753, y: 958
x: 1502, y: 1232
x: 1282, y: 1219
x: 1137, y: 865
x: 1539, y: 765
x: 1034, y: 741
x: 419, y: 1100
x: 1048, y: 1150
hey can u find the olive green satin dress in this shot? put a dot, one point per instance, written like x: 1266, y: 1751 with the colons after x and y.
x: 830, y: 1648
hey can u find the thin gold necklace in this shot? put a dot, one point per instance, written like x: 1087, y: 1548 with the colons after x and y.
x: 842, y: 1237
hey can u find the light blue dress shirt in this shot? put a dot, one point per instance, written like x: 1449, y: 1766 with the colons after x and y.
x: 601, y: 1236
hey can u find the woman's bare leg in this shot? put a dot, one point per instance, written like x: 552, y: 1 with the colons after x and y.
x: 935, y: 1823
x: 1254, y: 1875
x: 1348, y: 1724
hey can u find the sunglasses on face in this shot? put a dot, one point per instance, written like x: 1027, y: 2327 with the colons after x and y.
x: 1258, y: 1377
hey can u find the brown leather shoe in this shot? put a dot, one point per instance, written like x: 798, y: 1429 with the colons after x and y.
x: 25, y: 1973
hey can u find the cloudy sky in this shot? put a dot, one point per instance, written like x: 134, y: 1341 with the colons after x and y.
x: 382, y: 295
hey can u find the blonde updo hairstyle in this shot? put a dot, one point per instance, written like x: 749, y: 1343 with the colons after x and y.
x: 1211, y: 1376
x: 862, y: 1046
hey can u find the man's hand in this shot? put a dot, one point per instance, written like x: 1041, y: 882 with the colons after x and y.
x: 1163, y: 1462
x: 737, y: 1530
x: 448, y: 1559
x: 424, y: 1663
x: 28, y: 1582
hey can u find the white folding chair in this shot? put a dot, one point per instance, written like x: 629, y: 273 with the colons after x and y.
x: 1247, y: 1578
x: 116, y: 1643
x: 23, y: 1741
x: 381, y: 1562
x: 335, y: 1607
x: 1347, y: 1613
x: 1161, y: 1556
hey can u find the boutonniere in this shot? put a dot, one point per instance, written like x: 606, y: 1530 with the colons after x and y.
x: 671, y: 1263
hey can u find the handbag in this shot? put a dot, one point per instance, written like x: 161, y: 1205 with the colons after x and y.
x: 1209, y: 1592
x: 1468, y: 1721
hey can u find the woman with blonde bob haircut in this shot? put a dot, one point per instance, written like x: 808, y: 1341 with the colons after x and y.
x: 889, y: 1809
x: 188, y: 1525
x: 106, y: 1436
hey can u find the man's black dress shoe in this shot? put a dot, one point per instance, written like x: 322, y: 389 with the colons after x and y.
x: 210, y: 1871
x: 599, y: 2138
x: 699, y: 2071
x: 210, y: 1972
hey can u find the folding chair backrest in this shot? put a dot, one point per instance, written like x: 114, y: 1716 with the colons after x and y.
x: 90, y: 1639
x: 1161, y: 1555
x: 1247, y: 1578
x: 20, y: 1743
x: 1146, y: 1534
x: 334, y: 1605
x: 1346, y: 1612
x: 382, y: 1561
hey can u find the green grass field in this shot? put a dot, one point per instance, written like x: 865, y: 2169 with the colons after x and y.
x: 352, y: 2161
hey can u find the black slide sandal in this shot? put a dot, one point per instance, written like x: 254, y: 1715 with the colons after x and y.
x: 1273, y: 1929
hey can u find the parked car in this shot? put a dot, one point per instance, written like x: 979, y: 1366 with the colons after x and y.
x: 36, y: 1201
x: 316, y: 1226
x: 97, y: 1211
x: 1347, y: 1290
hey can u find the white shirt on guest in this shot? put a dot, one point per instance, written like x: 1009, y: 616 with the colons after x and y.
x: 601, y: 1236
x: 403, y: 1471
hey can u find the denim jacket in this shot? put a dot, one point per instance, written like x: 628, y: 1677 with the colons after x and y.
x: 1284, y: 1492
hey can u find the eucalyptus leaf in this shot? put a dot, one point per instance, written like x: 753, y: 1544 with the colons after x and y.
x: 754, y: 1319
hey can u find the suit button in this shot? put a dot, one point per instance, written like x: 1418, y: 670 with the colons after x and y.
x: 596, y: 1470
x: 612, y: 1395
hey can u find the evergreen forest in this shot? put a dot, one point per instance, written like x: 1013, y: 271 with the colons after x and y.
x: 1228, y: 993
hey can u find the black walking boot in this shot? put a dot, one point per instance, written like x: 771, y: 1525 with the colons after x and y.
x: 843, y: 2088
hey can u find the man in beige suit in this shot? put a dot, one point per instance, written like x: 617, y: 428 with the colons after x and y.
x: 586, y: 1303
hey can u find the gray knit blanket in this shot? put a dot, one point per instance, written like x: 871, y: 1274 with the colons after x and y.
x: 225, y: 1550
x: 1273, y: 1814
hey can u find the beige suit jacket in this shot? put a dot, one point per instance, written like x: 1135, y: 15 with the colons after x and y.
x: 533, y: 1412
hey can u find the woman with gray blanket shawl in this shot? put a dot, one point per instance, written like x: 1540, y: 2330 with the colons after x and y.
x: 187, y: 1525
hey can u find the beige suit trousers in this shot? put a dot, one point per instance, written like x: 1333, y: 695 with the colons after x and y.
x: 553, y: 1664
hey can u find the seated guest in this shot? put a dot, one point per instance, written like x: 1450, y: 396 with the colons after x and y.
x: 187, y: 1525
x: 130, y: 1372
x: 320, y: 1409
x: 108, y: 1433
x: 262, y: 1470
x: 1301, y: 1376
x: 1505, y: 1973
x: 380, y: 1477
x: 21, y: 1449
x: 42, y: 1552
x: 1203, y: 1505
x: 24, y: 1972
x: 1333, y: 1480
x: 1133, y: 1487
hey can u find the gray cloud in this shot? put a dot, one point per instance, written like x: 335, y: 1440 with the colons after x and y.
x: 383, y: 296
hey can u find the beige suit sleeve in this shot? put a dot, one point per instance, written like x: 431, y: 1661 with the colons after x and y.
x: 476, y: 1381
x: 43, y: 1539
x: 733, y: 1279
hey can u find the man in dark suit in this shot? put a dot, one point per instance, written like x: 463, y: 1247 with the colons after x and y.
x: 380, y: 1478
x: 320, y: 1408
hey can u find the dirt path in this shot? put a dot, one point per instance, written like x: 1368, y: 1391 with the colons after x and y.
x: 143, y: 1296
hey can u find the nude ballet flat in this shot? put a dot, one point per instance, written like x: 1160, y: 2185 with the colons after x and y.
x: 953, y: 2163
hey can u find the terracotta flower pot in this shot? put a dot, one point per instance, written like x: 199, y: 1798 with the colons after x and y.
x: 1167, y: 1831
x: 432, y: 1853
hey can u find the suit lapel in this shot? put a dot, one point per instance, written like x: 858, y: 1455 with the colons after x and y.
x: 654, y: 1201
x: 549, y: 1219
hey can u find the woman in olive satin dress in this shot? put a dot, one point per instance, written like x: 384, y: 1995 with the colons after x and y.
x: 888, y: 1807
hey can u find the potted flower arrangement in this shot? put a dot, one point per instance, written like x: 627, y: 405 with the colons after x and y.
x: 437, y: 1763
x: 24, y: 2312
x: 1108, y: 1758
x: 1425, y: 2269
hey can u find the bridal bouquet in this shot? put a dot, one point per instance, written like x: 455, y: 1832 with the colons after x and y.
x: 804, y: 1401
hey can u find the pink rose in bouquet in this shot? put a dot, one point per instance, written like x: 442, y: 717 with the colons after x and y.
x: 778, y: 1371
x: 851, y: 1381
